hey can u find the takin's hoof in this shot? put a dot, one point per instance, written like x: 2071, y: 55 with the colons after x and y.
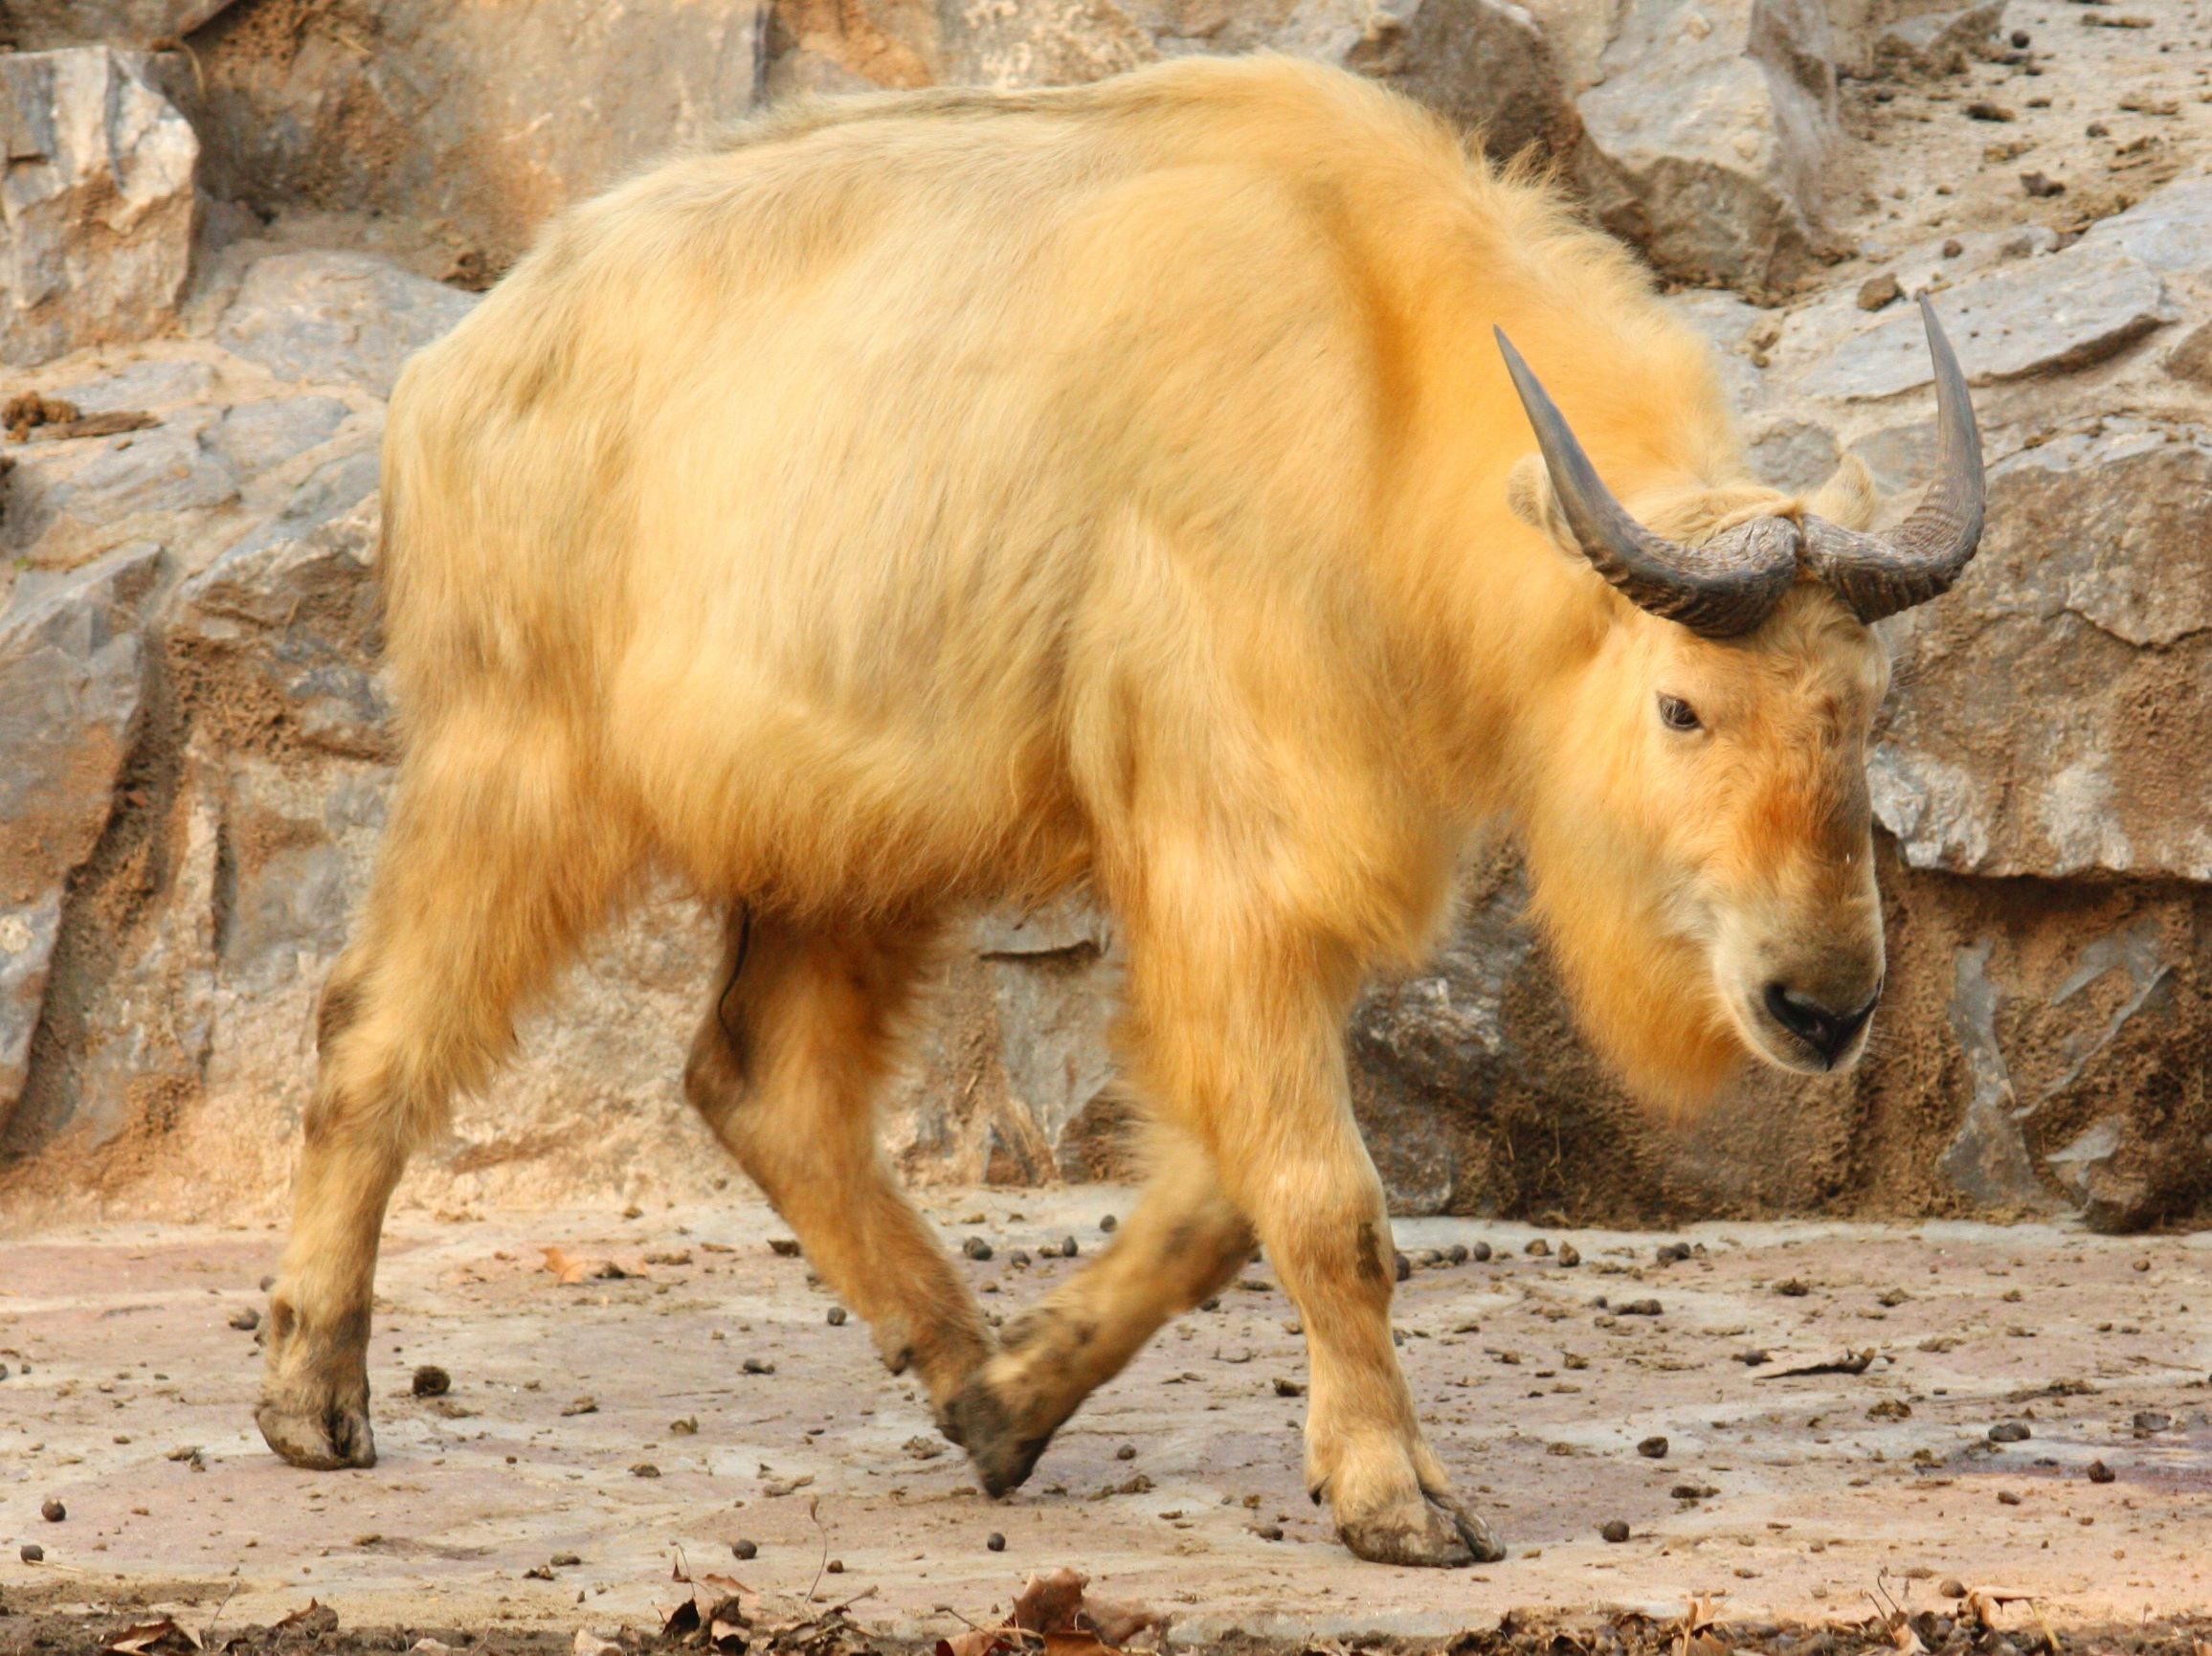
x: 1441, y: 1534
x: 979, y: 1422
x: 322, y: 1438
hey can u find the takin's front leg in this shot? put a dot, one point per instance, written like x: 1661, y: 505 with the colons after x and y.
x: 1183, y: 1242
x: 1246, y: 1044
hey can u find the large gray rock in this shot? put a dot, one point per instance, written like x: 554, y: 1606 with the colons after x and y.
x: 337, y: 319
x: 2054, y: 702
x: 97, y: 206
x: 478, y: 121
x: 1711, y: 125
x: 72, y: 681
x: 2063, y: 311
x: 44, y: 25
x: 1487, y: 65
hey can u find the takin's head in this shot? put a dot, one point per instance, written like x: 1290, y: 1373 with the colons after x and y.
x: 1706, y: 872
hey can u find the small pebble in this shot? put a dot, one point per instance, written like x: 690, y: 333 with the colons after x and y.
x: 54, y: 1512
x: 1952, y: 1587
x: 32, y: 1551
x: 995, y: 1541
x: 2019, y: 40
x: 431, y: 1381
x: 1570, y: 1255
x: 1875, y: 292
x: 1981, y: 110
x: 2010, y: 1432
x: 976, y: 1248
x: 784, y: 1247
x: 1126, y: 1452
x: 1480, y: 1253
x: 1953, y: 247
x: 1289, y: 1388
x: 2152, y: 1421
x: 758, y: 1366
x: 1641, y: 1308
x: 1270, y: 1532
x: 1067, y: 1249
x: 1615, y: 1531
x: 2100, y: 1473
x: 837, y: 1316
x: 565, y: 1561
x: 246, y: 1320
x: 1109, y: 1225
x: 1457, y: 1253
x: 1404, y: 1267
x: 1539, y: 1249
x: 2040, y: 185
x: 645, y: 1469
x: 744, y: 1551
x: 836, y: 1566
x: 1652, y: 1448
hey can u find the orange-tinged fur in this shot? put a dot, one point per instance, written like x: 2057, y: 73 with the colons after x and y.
x: 933, y: 500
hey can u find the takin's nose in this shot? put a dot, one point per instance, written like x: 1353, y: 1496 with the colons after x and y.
x: 1823, y: 1028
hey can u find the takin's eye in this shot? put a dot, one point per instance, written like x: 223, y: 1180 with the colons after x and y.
x: 1677, y: 714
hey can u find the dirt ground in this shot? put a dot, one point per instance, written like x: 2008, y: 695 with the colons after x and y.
x: 596, y: 1434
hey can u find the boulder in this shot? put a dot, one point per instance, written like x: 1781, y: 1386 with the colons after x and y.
x: 472, y: 122
x: 1711, y: 124
x: 71, y: 683
x: 2065, y: 310
x: 2054, y: 699
x: 1941, y: 42
x: 45, y: 24
x: 337, y: 319
x: 99, y: 208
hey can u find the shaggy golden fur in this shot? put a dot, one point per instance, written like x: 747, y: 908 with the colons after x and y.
x: 955, y: 498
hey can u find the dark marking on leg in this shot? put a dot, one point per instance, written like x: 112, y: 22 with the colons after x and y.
x: 1368, y: 1250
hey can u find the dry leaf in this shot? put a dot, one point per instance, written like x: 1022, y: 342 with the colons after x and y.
x: 1077, y: 1642
x: 681, y: 1622
x: 975, y: 1641
x: 1049, y: 1600
x: 316, y: 1618
x: 149, y: 1636
x: 1117, y: 1624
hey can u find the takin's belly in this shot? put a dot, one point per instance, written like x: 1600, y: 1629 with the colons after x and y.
x: 833, y: 811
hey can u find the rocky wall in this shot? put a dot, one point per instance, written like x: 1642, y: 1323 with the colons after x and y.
x: 196, y: 750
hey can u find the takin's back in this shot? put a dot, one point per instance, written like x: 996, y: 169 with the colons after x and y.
x: 896, y: 488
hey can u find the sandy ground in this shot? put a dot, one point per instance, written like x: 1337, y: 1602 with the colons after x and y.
x: 610, y: 1424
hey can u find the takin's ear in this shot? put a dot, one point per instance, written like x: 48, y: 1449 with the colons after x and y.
x: 1529, y: 498
x: 1849, y: 497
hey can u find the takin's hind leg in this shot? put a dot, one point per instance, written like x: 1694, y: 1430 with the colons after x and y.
x: 488, y: 875
x: 785, y: 1069
x: 1181, y: 1245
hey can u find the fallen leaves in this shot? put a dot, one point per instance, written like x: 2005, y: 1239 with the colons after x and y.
x: 148, y: 1637
x: 1052, y: 1614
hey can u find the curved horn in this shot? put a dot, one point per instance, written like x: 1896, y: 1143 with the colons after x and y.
x: 1720, y: 589
x: 1880, y: 575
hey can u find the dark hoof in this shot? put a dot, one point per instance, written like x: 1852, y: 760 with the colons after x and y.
x: 1443, y: 1535
x: 323, y: 1440
x: 979, y: 1422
